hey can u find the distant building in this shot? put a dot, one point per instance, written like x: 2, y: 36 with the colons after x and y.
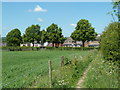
x: 35, y: 44
x: 69, y: 42
x: 2, y: 44
x: 55, y: 45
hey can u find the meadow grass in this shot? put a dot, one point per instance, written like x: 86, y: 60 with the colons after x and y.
x: 23, y: 68
x: 67, y: 76
x: 103, y: 74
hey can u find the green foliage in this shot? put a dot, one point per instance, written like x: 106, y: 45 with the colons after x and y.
x: 116, y: 9
x: 67, y: 61
x: 24, y: 48
x: 14, y: 38
x: 32, y: 34
x: 83, y: 31
x: 43, y: 36
x: 102, y: 74
x: 110, y: 40
x: 54, y: 34
x: 4, y: 39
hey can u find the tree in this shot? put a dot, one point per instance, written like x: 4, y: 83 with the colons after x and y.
x: 43, y: 36
x: 110, y: 41
x: 14, y: 38
x: 83, y: 32
x: 32, y: 34
x: 116, y: 8
x: 54, y: 34
x: 4, y: 39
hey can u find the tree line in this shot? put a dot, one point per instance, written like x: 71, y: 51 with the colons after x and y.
x: 53, y: 34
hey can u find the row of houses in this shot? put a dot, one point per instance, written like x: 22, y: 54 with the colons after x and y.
x: 69, y: 42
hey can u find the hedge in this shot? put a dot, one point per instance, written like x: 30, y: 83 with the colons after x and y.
x: 110, y: 40
x: 48, y: 48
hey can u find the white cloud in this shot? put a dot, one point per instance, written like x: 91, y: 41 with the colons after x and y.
x: 73, y: 25
x: 37, y: 9
x: 39, y: 20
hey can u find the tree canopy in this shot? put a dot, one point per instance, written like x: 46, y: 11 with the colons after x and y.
x: 43, y: 36
x: 32, y: 34
x: 14, y: 38
x: 54, y: 34
x: 83, y: 32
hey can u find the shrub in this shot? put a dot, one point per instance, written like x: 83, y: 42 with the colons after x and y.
x: 110, y: 40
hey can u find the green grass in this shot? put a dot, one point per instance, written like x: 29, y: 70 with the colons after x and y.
x: 103, y: 74
x: 23, y: 68
x: 29, y: 69
x: 67, y: 76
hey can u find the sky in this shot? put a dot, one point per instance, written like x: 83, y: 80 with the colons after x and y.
x: 65, y: 14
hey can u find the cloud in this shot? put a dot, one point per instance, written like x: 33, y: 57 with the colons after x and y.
x: 39, y: 20
x: 37, y: 9
x: 74, y: 25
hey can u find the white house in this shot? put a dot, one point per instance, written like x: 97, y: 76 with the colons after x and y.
x: 35, y: 44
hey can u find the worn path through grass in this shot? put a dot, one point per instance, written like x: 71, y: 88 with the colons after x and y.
x: 100, y: 74
x: 80, y: 82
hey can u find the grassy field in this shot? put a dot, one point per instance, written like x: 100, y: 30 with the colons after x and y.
x: 22, y: 68
x: 29, y: 69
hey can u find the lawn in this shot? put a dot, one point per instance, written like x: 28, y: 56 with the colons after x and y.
x: 22, y: 68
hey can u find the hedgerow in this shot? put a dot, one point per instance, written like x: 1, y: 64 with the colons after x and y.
x: 24, y: 48
x: 110, y: 40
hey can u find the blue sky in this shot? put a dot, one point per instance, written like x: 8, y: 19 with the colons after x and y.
x: 65, y: 14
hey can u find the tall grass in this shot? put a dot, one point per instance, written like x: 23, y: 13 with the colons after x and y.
x: 67, y: 76
x: 103, y: 74
x: 23, y: 68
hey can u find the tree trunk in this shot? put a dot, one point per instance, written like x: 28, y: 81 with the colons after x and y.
x: 53, y: 44
x: 58, y: 44
x: 83, y: 43
x: 33, y: 44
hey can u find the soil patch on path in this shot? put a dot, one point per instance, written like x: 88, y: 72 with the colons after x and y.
x: 80, y: 82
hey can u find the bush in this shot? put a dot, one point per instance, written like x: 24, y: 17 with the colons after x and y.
x: 110, y: 40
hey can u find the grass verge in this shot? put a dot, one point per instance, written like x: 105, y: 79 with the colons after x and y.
x: 103, y: 74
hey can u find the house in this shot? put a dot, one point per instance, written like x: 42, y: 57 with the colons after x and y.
x: 55, y: 44
x: 35, y: 44
x: 2, y: 44
x: 69, y: 42
x: 95, y: 43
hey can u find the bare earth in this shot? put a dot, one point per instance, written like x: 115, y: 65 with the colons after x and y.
x: 80, y: 82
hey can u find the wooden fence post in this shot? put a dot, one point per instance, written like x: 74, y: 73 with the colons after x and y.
x: 62, y: 61
x: 50, y: 73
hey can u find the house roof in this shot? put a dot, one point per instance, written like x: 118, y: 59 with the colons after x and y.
x: 69, y: 40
